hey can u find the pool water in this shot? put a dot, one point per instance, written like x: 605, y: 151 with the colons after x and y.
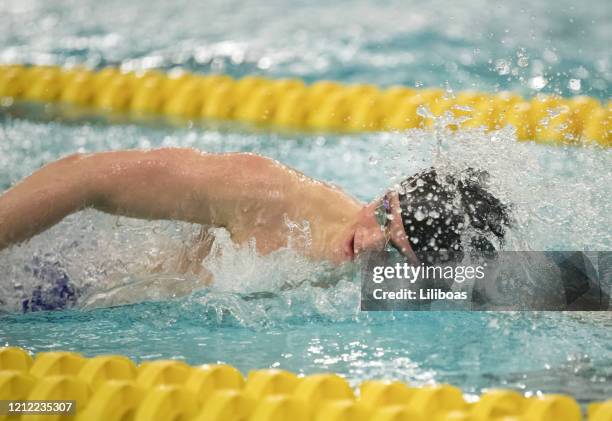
x: 560, y: 196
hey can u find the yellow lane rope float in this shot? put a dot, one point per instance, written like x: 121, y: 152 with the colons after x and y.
x: 323, y: 105
x: 113, y: 388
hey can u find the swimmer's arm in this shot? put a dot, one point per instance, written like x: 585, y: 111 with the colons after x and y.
x: 179, y: 184
x: 41, y: 200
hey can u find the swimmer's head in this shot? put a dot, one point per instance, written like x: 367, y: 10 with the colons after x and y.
x: 431, y: 217
x: 446, y: 214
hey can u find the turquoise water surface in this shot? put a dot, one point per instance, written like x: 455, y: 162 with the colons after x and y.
x: 560, y: 196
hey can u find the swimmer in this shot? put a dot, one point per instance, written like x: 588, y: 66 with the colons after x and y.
x: 252, y: 197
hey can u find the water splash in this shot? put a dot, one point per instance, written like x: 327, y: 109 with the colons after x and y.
x: 558, y: 195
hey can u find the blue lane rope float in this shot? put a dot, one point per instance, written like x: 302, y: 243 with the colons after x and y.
x: 113, y: 388
x: 323, y: 105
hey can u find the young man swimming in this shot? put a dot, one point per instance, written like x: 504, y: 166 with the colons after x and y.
x: 253, y: 197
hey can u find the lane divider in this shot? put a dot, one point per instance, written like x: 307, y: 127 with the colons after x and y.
x: 113, y: 388
x: 323, y: 105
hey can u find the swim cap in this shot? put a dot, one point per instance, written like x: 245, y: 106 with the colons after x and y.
x: 439, y: 212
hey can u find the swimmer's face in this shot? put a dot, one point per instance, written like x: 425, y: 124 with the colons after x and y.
x: 370, y: 236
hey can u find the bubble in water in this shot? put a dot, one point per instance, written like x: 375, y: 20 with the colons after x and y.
x: 502, y: 67
x: 538, y: 82
x: 372, y: 160
x: 574, y: 84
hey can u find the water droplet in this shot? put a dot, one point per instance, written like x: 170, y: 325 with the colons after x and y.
x: 419, y: 215
x: 372, y: 160
x: 538, y: 82
x: 424, y: 112
x: 522, y: 58
x: 502, y: 67
x: 264, y: 63
x: 574, y: 84
x: 462, y: 108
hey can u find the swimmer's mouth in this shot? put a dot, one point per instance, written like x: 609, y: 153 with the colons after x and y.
x: 351, y: 248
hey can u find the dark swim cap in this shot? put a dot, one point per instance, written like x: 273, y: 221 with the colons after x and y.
x: 438, y: 211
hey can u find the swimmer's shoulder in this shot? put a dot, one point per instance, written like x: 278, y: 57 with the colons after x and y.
x: 242, y: 160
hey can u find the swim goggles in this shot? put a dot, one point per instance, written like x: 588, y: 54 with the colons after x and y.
x: 384, y: 217
x: 382, y: 213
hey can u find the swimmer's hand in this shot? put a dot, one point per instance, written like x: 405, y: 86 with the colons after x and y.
x: 172, y: 183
